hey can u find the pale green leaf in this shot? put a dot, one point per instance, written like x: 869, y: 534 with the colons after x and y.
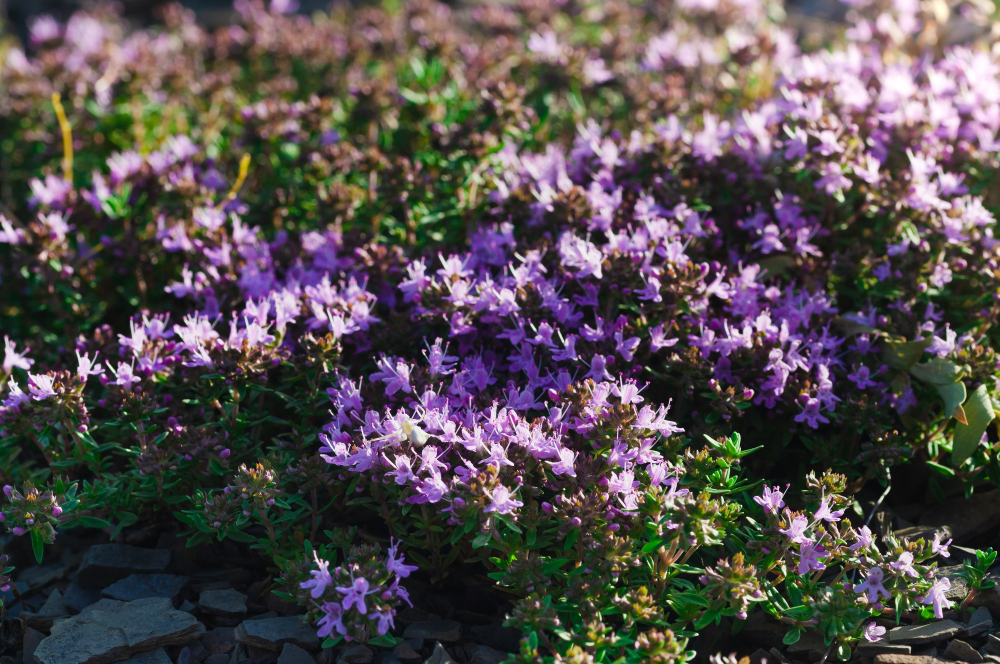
x: 979, y: 413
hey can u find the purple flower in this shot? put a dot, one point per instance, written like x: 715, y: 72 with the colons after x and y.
x: 354, y: 594
x: 940, y: 548
x: 320, y: 580
x: 904, y: 565
x: 772, y: 500
x: 811, y: 558
x: 395, y: 565
x: 502, y: 501
x: 874, y: 632
x: 935, y: 597
x: 824, y: 513
x: 796, y: 531
x: 41, y: 386
x: 872, y: 586
x: 864, y: 539
x: 12, y: 359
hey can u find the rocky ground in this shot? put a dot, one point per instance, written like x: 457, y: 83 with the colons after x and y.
x: 171, y: 605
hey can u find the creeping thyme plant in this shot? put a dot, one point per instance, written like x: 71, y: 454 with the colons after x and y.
x: 390, y: 292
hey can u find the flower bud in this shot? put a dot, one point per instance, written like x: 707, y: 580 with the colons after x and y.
x: 56, y: 510
x: 18, y: 530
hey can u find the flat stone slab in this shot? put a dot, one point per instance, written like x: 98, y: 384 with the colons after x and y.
x: 440, y: 630
x: 883, y: 647
x: 273, y: 633
x: 104, y: 564
x: 114, y: 631
x: 158, y: 656
x: 226, y: 602
x: 962, y: 652
x: 917, y: 635
x: 141, y: 586
x: 292, y: 654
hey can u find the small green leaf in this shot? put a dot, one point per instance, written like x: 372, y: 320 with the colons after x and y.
x: 979, y: 412
x: 792, y: 636
x: 37, y: 544
x: 385, y: 641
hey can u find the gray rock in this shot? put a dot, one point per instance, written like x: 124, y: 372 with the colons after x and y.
x: 117, y: 632
x: 35, y: 578
x: 962, y: 652
x: 406, y: 651
x: 872, y: 648
x: 104, y: 564
x: 32, y: 637
x: 292, y: 654
x: 485, y: 655
x: 918, y: 635
x: 439, y: 656
x: 386, y: 658
x: 441, y: 630
x: 959, y: 589
x: 77, y: 598
x: 227, y: 602
x: 966, y: 519
x: 992, y: 645
x: 355, y: 653
x: 54, y: 607
x: 980, y: 622
x: 158, y: 656
x: 273, y: 633
x: 219, y: 640
x: 907, y: 659
x: 217, y: 659
x: 188, y: 606
x: 141, y: 586
x: 103, y: 604
x: 508, y: 639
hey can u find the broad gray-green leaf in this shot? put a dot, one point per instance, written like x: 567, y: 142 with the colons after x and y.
x: 979, y: 413
x: 900, y: 354
x: 954, y: 396
x: 938, y: 371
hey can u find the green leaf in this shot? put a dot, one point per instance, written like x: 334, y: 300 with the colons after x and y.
x: 938, y: 371
x: 979, y: 412
x: 385, y: 641
x: 37, y: 544
x: 954, y: 396
x: 901, y: 354
x: 481, y: 540
x: 92, y: 522
x: 792, y: 636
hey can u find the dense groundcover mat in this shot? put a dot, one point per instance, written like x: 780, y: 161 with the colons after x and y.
x: 625, y: 314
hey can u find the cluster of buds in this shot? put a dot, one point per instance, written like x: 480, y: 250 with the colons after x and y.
x: 5, y: 569
x: 256, y: 487
x: 32, y: 510
x: 733, y: 583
